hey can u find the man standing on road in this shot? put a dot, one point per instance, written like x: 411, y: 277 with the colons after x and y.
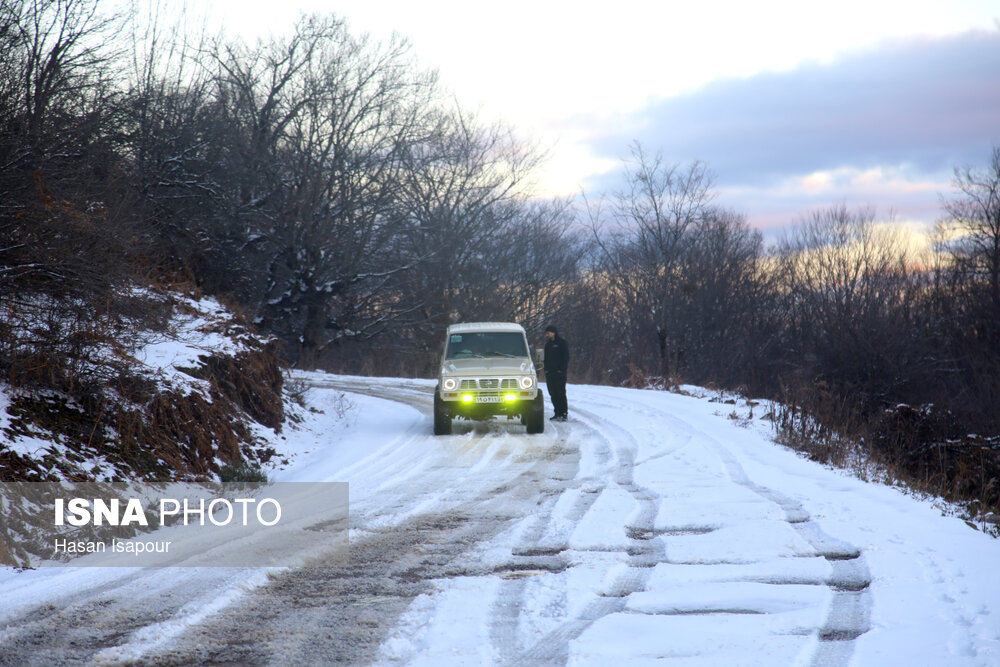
x: 556, y: 363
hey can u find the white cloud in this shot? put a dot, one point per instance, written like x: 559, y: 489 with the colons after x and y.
x: 577, y: 76
x: 904, y: 194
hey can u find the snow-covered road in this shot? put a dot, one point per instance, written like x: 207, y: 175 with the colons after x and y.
x: 651, y: 527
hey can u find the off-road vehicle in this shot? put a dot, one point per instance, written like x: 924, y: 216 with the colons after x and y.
x: 486, y: 371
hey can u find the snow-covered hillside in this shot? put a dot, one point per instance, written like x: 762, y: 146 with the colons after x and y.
x: 651, y: 527
x: 117, y: 412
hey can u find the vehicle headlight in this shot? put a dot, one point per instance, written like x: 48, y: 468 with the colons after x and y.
x: 527, y: 382
x: 449, y: 384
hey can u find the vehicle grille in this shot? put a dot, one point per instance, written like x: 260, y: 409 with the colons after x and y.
x: 489, y: 383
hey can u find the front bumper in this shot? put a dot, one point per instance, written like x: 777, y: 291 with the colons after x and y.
x: 476, y: 398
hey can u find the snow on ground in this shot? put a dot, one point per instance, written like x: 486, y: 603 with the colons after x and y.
x: 25, y: 445
x: 671, y: 533
x: 768, y: 558
x: 198, y: 327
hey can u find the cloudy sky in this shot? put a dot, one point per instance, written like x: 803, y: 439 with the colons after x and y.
x: 793, y: 105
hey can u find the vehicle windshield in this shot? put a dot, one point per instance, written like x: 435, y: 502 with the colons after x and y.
x: 481, y: 344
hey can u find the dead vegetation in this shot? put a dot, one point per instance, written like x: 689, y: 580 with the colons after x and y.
x: 83, y: 406
x: 101, y: 414
x: 922, y: 448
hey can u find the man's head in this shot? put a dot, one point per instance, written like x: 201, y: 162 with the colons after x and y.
x: 551, y: 332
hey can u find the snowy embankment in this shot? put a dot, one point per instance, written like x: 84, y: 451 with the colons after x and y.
x: 179, y: 400
x: 651, y: 526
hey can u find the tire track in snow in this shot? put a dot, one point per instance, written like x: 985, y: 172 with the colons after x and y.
x: 343, y: 613
x: 849, y: 613
x: 100, y: 617
x: 541, y: 548
x: 615, y: 461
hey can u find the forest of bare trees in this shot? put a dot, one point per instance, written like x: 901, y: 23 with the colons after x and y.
x: 329, y: 188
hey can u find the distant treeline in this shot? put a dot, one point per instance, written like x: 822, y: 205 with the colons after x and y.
x: 330, y: 189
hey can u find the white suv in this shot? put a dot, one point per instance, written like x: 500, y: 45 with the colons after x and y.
x: 486, y: 370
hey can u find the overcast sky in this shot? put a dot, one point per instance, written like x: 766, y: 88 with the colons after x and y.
x: 793, y: 105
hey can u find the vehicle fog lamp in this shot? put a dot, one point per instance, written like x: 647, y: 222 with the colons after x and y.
x: 467, y: 398
x: 510, y: 397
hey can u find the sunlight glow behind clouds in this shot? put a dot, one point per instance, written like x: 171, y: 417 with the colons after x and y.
x: 901, y: 193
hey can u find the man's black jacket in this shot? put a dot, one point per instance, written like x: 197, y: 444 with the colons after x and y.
x: 556, y: 355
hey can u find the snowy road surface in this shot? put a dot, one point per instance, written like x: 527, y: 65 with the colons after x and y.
x: 651, y: 527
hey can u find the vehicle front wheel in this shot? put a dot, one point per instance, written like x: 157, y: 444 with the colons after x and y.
x: 442, y: 420
x: 535, y: 420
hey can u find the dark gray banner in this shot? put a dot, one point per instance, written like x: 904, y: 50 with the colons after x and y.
x: 295, y: 524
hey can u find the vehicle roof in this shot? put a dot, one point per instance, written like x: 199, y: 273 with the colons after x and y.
x: 485, y: 326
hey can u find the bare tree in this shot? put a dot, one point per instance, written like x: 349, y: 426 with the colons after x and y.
x: 58, y: 140
x: 171, y: 141
x: 643, y: 237
x: 319, y: 180
x: 316, y: 129
x: 850, y: 288
x: 724, y: 300
x: 961, y: 315
x: 58, y: 48
x: 538, y: 266
x: 975, y: 215
x: 464, y: 207
x: 11, y: 78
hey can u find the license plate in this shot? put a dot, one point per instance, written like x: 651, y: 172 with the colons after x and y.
x: 487, y: 399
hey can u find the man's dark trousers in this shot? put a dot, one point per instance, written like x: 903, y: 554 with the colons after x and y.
x: 556, y: 381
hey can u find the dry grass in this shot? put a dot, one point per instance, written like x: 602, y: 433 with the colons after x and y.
x: 74, y: 384
x: 95, y: 417
x: 919, y: 448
